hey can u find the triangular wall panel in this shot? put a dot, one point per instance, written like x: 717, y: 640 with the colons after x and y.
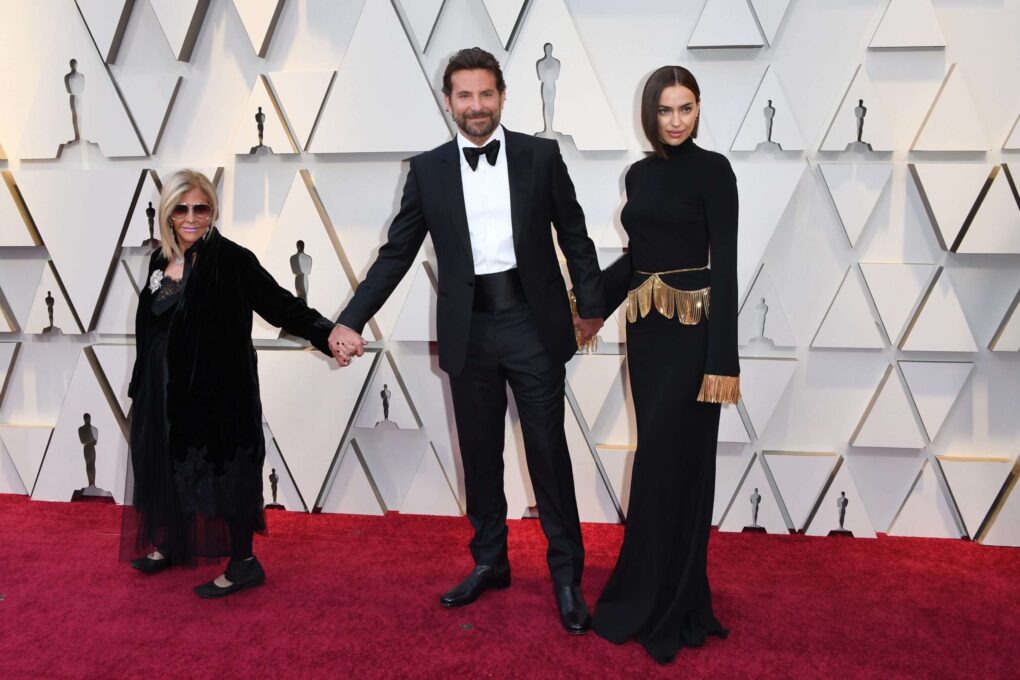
x: 996, y: 226
x: 430, y: 492
x: 876, y: 131
x: 286, y: 490
x: 274, y: 133
x: 590, y: 378
x: 57, y: 200
x: 150, y: 97
x: 953, y: 122
x: 20, y: 282
x: 935, y: 386
x: 801, y: 478
x: 849, y: 322
x: 908, y: 24
x: 769, y: 103
x: 1004, y: 527
x: 896, y: 289
x: 1012, y: 142
x: 378, y: 56
x: 13, y: 230
x: 974, y: 483
x: 26, y: 446
x: 741, y: 515
x: 309, y: 431
x: 301, y: 95
x: 352, y: 492
x: 731, y: 464
x: 392, y: 456
x: 10, y: 480
x: 120, y: 306
x: 504, y: 15
x: 726, y: 23
x: 63, y: 469
x: 117, y: 362
x: 949, y: 192
x: 889, y: 422
x: 99, y: 110
x: 941, y: 325
x: 763, y: 307
x: 417, y: 319
x: 259, y: 18
x: 763, y: 382
x: 181, y: 21
x: 855, y: 189
x: 769, y: 187
x: 400, y: 409
x: 1007, y: 337
x: 770, y: 15
x: 106, y: 20
x: 38, y: 316
x: 927, y: 511
x: 842, y: 492
x: 581, y: 110
x: 422, y: 16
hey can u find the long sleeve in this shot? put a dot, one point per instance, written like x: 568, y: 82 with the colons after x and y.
x: 141, y: 336
x: 616, y: 282
x: 577, y: 246
x: 404, y: 239
x: 722, y: 367
x: 280, y: 307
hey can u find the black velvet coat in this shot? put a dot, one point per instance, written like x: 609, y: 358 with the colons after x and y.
x: 213, y: 387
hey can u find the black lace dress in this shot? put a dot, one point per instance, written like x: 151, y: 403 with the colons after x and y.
x: 180, y: 504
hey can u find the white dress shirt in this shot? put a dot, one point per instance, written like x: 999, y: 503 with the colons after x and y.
x: 487, y: 204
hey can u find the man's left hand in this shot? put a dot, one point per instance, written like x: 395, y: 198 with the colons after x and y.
x: 588, y: 327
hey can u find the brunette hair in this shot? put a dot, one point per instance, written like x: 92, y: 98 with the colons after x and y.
x: 469, y: 59
x: 661, y: 78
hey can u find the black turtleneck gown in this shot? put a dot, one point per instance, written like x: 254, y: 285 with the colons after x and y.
x: 681, y: 212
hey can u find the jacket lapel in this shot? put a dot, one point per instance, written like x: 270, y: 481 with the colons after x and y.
x: 518, y: 166
x: 453, y: 189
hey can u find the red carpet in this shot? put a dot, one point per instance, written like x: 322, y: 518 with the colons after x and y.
x: 355, y: 597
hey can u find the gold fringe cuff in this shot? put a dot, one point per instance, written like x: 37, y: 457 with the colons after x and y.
x: 720, y: 389
x: 592, y: 344
x: 688, y: 305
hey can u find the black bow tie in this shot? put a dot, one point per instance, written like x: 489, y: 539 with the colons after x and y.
x: 491, y: 151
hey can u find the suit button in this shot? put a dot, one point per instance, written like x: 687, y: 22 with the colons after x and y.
x: 471, y: 284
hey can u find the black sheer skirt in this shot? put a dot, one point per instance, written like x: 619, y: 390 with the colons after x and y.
x: 180, y: 503
x: 659, y: 592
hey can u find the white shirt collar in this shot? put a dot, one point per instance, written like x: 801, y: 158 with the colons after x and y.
x: 463, y: 141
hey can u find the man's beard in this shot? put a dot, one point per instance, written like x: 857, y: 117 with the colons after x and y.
x: 480, y: 126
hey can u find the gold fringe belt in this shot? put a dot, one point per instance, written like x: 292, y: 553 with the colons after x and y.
x: 688, y: 305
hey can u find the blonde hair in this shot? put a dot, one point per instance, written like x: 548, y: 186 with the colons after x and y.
x: 175, y: 186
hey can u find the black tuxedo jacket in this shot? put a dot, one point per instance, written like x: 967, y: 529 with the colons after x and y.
x: 541, y: 194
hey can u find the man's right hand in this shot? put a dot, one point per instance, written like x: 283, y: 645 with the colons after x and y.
x: 345, y: 344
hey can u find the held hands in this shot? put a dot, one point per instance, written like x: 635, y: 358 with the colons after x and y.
x: 345, y: 344
x: 587, y: 328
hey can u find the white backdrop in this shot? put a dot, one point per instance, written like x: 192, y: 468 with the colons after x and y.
x: 891, y: 276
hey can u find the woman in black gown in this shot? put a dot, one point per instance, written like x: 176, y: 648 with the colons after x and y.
x: 197, y: 446
x: 681, y: 212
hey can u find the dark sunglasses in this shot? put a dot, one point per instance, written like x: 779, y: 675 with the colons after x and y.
x: 201, y: 211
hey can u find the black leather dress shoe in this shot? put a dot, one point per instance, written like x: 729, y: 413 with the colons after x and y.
x: 147, y: 565
x: 478, y: 581
x: 241, y: 574
x: 574, y: 614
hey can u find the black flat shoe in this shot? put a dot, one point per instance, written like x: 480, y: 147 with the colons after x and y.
x: 147, y: 565
x: 478, y: 581
x: 574, y: 614
x: 241, y: 574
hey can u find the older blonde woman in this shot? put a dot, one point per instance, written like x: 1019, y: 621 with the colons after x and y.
x: 197, y: 445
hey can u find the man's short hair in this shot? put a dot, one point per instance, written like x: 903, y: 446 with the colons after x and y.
x: 469, y: 59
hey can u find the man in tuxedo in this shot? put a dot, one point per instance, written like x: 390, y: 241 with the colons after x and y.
x: 488, y: 198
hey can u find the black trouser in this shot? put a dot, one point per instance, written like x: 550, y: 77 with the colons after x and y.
x: 505, y: 347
